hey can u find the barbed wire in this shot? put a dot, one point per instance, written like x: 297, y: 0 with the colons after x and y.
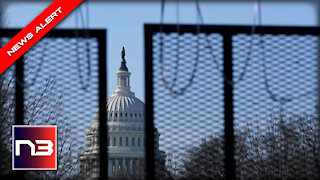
x: 39, y: 66
x: 175, y: 74
x: 248, y: 54
x: 85, y: 23
x: 275, y: 97
x: 200, y: 24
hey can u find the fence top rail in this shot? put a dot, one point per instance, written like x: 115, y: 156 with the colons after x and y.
x: 234, y: 29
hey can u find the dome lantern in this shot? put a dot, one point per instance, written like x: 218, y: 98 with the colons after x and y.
x: 123, y: 78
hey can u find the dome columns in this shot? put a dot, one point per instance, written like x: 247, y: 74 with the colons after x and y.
x: 123, y: 84
x: 123, y: 80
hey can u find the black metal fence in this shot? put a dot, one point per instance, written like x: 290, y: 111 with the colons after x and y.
x: 233, y: 103
x: 60, y: 81
x: 226, y: 102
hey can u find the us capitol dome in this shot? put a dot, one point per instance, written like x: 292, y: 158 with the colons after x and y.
x: 126, y: 137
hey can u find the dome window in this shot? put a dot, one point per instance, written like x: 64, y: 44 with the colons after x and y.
x: 127, y: 141
x: 114, y: 141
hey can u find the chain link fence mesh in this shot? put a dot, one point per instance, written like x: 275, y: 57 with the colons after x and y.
x: 190, y: 124
x: 7, y: 111
x: 275, y: 103
x: 64, y: 93
x: 61, y: 87
x: 275, y: 107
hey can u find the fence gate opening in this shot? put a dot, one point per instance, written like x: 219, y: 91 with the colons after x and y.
x: 229, y: 102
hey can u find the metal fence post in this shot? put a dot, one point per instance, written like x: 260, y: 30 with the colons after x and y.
x: 19, y: 112
x: 228, y: 108
x: 149, y: 126
x: 19, y: 101
x: 103, y: 133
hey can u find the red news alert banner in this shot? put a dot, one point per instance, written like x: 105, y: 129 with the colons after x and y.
x: 34, y: 31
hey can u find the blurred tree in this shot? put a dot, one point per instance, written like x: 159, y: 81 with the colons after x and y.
x: 6, y: 117
x: 42, y: 107
x: 285, y: 147
x: 205, y: 161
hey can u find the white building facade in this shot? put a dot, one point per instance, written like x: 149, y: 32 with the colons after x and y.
x: 126, y: 139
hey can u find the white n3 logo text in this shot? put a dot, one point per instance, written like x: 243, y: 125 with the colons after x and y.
x: 48, y: 147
